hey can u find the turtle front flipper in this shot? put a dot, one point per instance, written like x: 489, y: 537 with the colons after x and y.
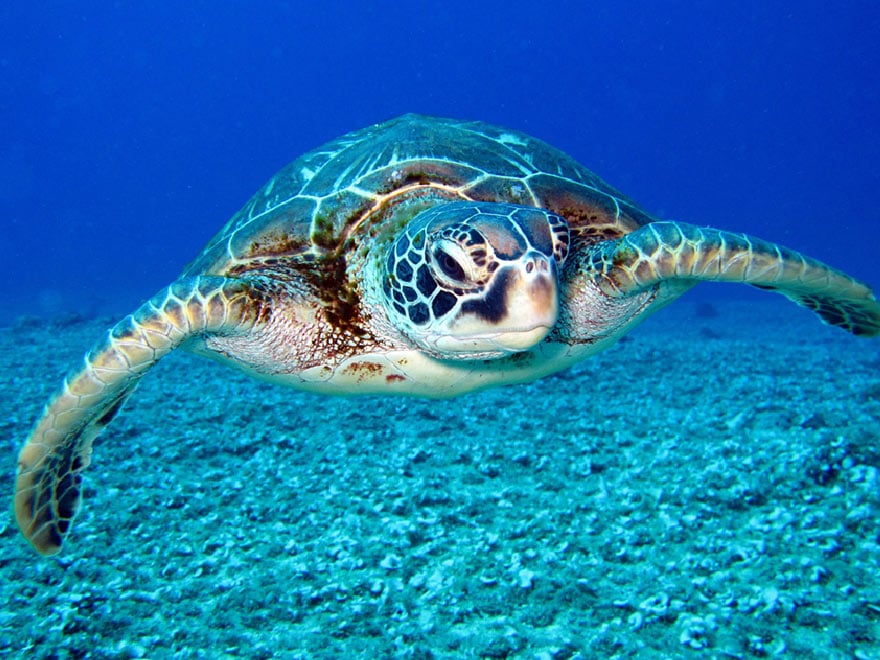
x: 672, y: 252
x: 48, y: 487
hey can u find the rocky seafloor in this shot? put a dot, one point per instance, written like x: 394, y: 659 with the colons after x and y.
x: 709, y: 487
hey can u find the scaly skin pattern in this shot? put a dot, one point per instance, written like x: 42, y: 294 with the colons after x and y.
x: 49, y: 484
x: 663, y: 251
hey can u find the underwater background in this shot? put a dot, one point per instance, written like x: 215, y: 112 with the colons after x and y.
x: 710, y: 486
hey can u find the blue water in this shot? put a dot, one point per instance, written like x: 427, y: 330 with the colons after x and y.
x: 129, y: 132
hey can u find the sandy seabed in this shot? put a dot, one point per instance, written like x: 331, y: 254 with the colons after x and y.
x: 709, y: 487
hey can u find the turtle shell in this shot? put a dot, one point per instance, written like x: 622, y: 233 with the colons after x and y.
x: 342, y: 194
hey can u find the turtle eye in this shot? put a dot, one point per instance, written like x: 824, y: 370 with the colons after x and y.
x: 449, y: 266
x: 449, y: 263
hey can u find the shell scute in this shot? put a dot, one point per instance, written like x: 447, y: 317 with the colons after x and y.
x: 328, y: 200
x: 284, y: 230
x: 602, y: 215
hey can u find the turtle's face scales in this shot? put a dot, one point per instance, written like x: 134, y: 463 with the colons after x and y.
x: 472, y: 279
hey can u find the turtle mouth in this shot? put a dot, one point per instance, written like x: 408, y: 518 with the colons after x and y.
x: 493, y: 344
x: 521, y: 340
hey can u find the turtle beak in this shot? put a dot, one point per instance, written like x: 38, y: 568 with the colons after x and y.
x: 515, y: 314
x: 532, y: 303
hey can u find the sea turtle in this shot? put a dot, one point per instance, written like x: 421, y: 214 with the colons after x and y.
x: 421, y: 256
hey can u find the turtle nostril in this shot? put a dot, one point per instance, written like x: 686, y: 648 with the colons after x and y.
x: 537, y: 264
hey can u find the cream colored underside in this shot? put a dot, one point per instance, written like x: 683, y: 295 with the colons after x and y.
x: 412, y: 373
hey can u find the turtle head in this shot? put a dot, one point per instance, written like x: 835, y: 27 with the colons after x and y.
x: 475, y: 279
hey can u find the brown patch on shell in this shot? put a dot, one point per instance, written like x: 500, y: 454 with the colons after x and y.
x: 592, y: 215
x: 498, y: 189
x: 275, y: 243
x: 340, y: 298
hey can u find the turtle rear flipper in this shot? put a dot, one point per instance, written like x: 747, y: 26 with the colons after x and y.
x: 48, y: 487
x: 671, y: 251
